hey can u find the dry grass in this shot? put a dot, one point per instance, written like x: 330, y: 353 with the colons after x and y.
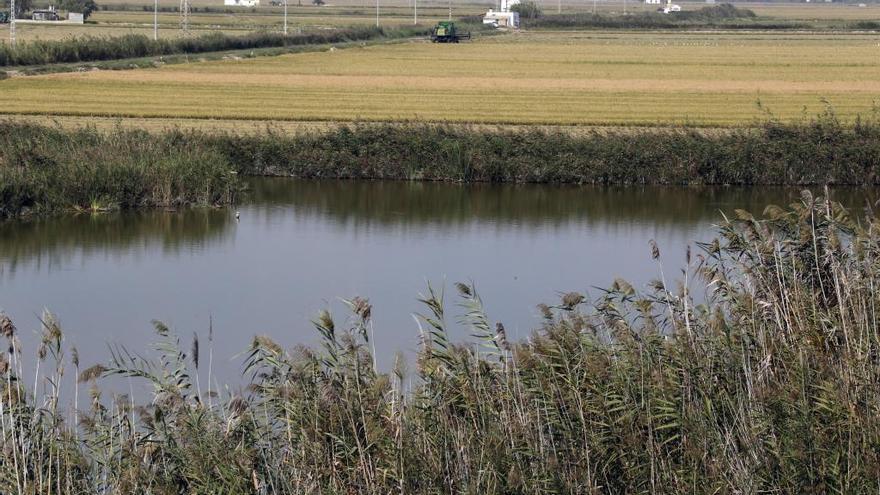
x: 547, y: 78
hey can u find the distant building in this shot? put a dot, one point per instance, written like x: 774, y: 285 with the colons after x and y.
x: 49, y: 14
x: 241, y: 3
x: 652, y: 2
x: 503, y: 18
x: 75, y: 18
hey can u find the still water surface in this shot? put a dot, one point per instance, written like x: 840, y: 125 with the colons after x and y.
x: 300, y: 246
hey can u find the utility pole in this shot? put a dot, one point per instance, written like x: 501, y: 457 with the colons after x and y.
x: 12, y: 22
x: 415, y: 11
x: 450, y: 10
x: 377, y: 13
x: 594, y: 7
x: 559, y: 6
x: 155, y: 20
x: 285, y: 17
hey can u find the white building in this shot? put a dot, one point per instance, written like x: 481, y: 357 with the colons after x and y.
x: 241, y: 3
x: 503, y: 18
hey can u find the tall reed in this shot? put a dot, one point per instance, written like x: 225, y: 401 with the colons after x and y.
x: 47, y: 170
x: 766, y: 382
x: 50, y: 169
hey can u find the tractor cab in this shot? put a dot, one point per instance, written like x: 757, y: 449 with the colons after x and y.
x: 445, y: 32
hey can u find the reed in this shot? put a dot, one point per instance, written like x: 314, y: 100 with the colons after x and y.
x: 48, y: 169
x: 766, y: 382
x: 45, y: 170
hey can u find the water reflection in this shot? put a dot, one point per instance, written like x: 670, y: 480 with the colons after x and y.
x: 301, y: 244
x: 51, y: 243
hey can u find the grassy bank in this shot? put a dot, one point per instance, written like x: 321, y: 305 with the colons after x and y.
x: 769, y: 385
x: 89, y: 49
x: 49, y: 169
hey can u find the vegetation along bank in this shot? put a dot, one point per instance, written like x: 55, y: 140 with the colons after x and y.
x: 93, y: 49
x: 45, y: 169
x: 723, y: 16
x: 766, y: 385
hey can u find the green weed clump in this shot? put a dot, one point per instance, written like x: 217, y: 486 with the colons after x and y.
x: 91, y: 49
x: 44, y: 170
x: 767, y: 385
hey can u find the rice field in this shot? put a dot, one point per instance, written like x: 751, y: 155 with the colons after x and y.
x: 703, y: 79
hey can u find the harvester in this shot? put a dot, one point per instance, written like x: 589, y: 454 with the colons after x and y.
x: 445, y: 32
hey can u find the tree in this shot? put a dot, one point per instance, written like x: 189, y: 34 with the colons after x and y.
x: 527, y: 9
x: 86, y: 7
x: 21, y: 6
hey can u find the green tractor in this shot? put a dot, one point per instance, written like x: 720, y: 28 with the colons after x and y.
x: 445, y: 32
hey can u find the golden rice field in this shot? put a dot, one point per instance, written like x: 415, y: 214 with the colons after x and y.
x: 545, y: 78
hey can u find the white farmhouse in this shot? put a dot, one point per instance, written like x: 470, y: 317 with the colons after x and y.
x: 241, y: 3
x: 503, y: 18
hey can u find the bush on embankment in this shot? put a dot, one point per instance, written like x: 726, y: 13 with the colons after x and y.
x: 769, y: 385
x: 91, y: 49
x: 45, y: 170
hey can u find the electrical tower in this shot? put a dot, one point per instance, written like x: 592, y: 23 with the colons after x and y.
x: 184, y: 17
x: 12, y: 22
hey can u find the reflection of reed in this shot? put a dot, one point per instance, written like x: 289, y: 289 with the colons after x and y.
x: 413, y: 203
x: 387, y: 204
x: 52, y: 240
